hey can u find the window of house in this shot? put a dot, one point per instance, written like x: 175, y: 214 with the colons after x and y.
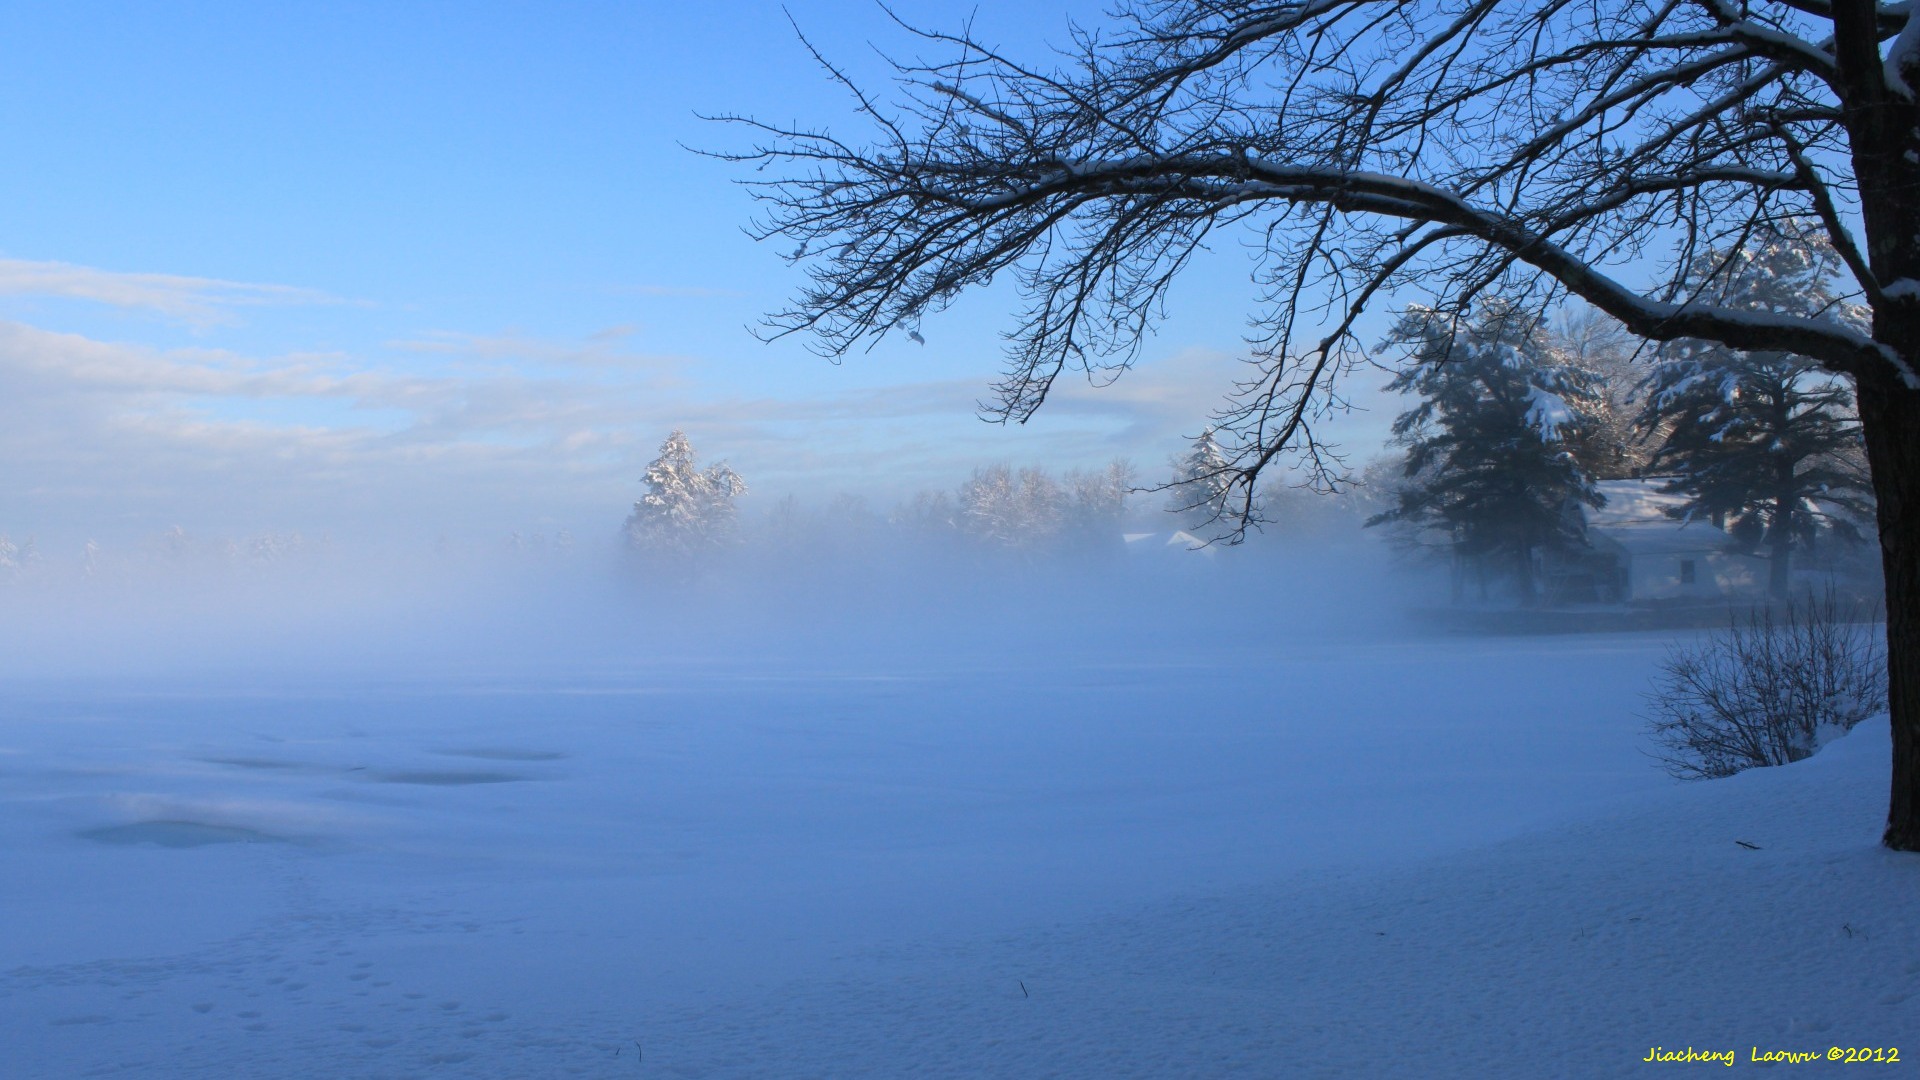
x: 1687, y: 574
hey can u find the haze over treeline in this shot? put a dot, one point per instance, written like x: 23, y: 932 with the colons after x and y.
x: 1011, y: 559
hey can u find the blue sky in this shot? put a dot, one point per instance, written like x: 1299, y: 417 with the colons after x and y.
x: 421, y: 268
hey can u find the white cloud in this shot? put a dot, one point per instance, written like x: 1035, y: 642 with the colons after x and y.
x: 199, y: 301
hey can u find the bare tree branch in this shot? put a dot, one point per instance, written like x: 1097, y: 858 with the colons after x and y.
x: 1573, y: 137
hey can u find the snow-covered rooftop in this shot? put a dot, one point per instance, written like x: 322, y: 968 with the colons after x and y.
x: 1634, y: 503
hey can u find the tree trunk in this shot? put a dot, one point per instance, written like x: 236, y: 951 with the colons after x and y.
x: 1890, y: 417
x: 1529, y: 587
x: 1883, y: 130
x: 1780, y: 530
x: 1780, y: 559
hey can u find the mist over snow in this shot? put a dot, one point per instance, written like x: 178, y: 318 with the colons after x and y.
x: 842, y: 810
x: 843, y: 591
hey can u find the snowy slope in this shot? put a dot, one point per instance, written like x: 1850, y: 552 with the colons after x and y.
x: 1203, y: 868
x: 1571, y: 952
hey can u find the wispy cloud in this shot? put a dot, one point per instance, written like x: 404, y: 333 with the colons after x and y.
x: 195, y: 300
x: 605, y: 349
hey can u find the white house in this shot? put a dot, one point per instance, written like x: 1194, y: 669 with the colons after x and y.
x: 1662, y: 557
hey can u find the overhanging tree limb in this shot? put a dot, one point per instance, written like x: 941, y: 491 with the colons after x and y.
x: 1416, y: 150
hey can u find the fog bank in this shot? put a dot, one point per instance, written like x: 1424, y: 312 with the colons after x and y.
x: 520, y: 610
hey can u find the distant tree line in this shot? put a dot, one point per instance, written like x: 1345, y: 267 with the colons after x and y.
x: 1025, y: 512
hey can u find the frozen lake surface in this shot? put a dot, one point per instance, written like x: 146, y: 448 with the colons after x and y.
x: 758, y: 868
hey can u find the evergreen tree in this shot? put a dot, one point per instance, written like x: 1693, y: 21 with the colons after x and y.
x: 1764, y: 443
x: 685, y: 509
x: 1490, y: 461
x: 1202, y: 483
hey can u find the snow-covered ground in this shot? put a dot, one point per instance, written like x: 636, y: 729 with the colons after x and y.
x: 1383, y: 856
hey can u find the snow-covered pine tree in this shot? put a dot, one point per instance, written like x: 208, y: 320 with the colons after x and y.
x: 685, y: 508
x: 1201, y: 485
x: 1489, y: 460
x: 1764, y: 442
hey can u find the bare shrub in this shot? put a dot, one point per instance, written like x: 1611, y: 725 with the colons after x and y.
x: 1768, y: 692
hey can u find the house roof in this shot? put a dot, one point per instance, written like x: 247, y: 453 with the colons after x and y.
x: 1636, y: 517
x: 1633, y: 503
x: 1177, y: 540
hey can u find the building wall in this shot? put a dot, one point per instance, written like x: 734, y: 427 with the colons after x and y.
x: 1660, y: 575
